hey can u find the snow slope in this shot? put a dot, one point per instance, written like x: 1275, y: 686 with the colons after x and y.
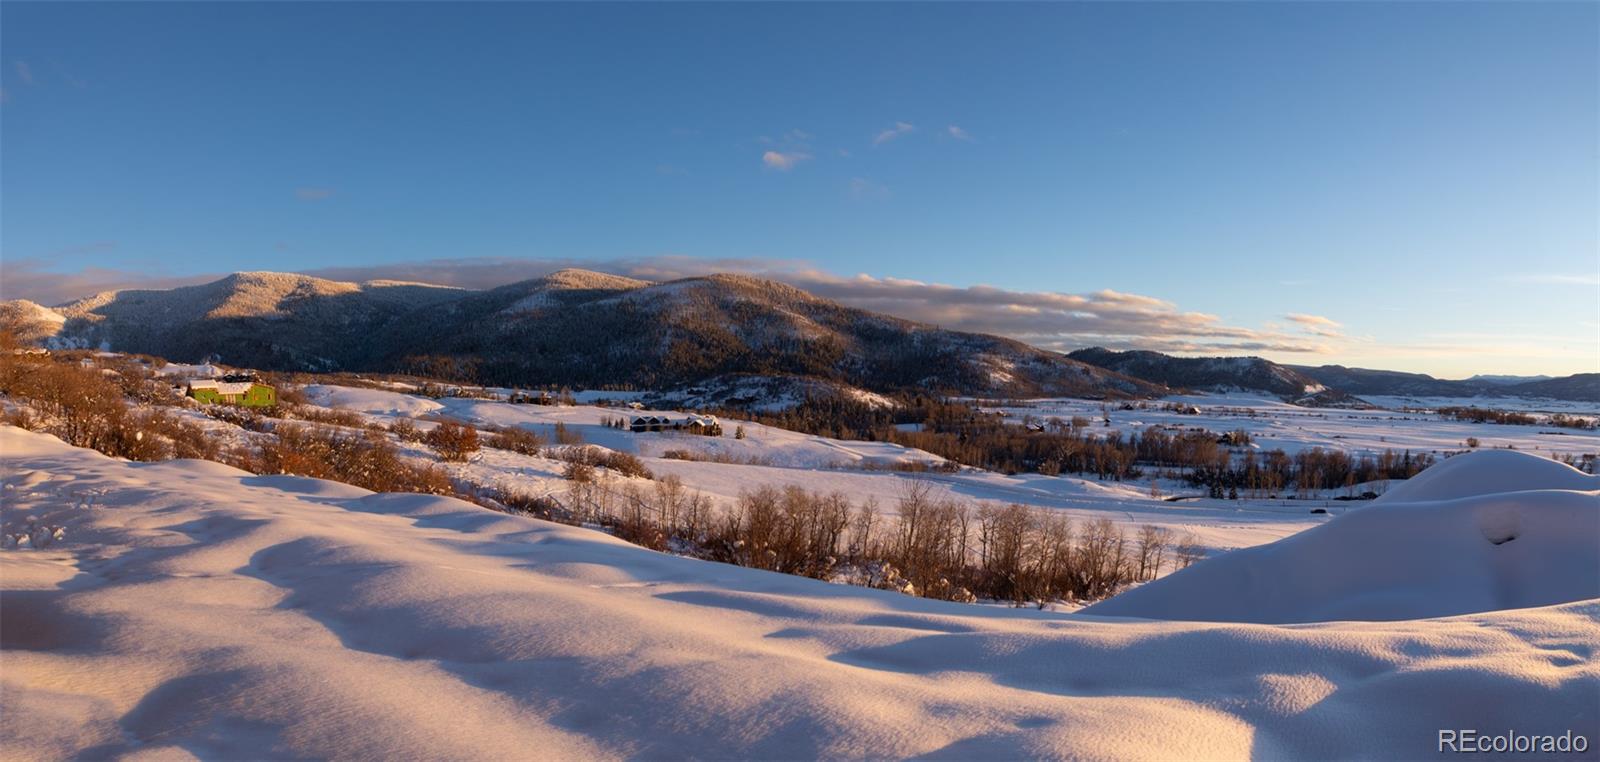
x: 1482, y: 531
x: 195, y: 610
x: 781, y: 458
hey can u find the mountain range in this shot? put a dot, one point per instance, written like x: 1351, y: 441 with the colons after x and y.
x: 573, y: 327
x: 1217, y: 374
x: 583, y: 328
x: 1328, y: 385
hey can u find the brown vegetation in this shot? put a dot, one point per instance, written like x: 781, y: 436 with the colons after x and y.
x: 516, y: 439
x: 452, y: 440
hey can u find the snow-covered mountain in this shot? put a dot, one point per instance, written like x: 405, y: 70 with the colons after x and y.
x: 1333, y: 385
x: 1580, y: 387
x: 1216, y: 374
x: 572, y: 327
x: 1485, y: 378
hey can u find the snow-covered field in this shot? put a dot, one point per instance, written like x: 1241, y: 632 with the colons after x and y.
x: 783, y: 458
x: 1274, y: 424
x: 193, y: 610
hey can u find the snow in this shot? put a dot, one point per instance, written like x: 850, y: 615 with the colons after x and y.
x: 223, y: 387
x: 204, y: 370
x: 724, y: 467
x: 1526, y: 404
x: 1488, y: 472
x: 195, y: 610
x: 1275, y: 424
x: 1480, y: 532
x: 371, y: 401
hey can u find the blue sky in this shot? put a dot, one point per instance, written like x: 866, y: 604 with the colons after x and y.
x: 1419, y: 183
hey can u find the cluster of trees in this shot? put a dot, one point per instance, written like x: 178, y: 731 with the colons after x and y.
x: 1564, y: 421
x: 932, y: 546
x: 964, y: 434
x: 1487, y: 415
x: 562, y: 397
x: 843, y: 417
x: 1517, y: 418
x: 1274, y: 472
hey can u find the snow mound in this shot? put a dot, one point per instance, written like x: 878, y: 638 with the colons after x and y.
x: 1479, y: 535
x: 371, y: 401
x: 197, y: 611
x: 1486, y: 472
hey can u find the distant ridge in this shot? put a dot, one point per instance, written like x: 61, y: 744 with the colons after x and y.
x: 572, y: 327
x: 1580, y: 387
x: 1327, y: 384
x: 578, y: 327
x: 1217, y: 374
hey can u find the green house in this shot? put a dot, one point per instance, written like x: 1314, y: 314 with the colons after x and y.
x: 247, y: 393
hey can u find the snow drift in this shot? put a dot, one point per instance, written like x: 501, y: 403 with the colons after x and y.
x: 191, y: 609
x: 1482, y: 531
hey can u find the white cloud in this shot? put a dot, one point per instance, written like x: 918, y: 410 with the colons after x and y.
x: 899, y: 128
x: 1055, y: 320
x: 958, y: 133
x: 784, y: 161
x: 24, y: 73
x: 1316, y: 324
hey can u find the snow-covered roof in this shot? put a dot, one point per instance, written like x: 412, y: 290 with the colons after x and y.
x: 223, y: 387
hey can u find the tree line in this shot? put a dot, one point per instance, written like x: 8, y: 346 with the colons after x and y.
x: 963, y: 433
x: 931, y: 545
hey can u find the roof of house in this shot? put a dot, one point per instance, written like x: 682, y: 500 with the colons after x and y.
x: 223, y: 387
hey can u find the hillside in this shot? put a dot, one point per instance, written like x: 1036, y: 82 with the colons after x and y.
x: 259, y: 319
x: 1326, y: 385
x: 1580, y: 387
x: 1216, y: 374
x: 572, y: 327
x: 1395, y: 383
x: 191, y: 609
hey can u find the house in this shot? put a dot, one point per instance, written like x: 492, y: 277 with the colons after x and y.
x: 701, y: 424
x: 648, y: 423
x: 694, y: 424
x: 232, y: 390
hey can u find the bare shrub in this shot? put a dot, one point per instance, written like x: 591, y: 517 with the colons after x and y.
x: 406, y: 430
x: 517, y: 440
x: 578, y: 471
x: 718, y: 457
x: 363, y: 458
x: 453, y: 441
x: 596, y: 457
x: 179, y: 438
